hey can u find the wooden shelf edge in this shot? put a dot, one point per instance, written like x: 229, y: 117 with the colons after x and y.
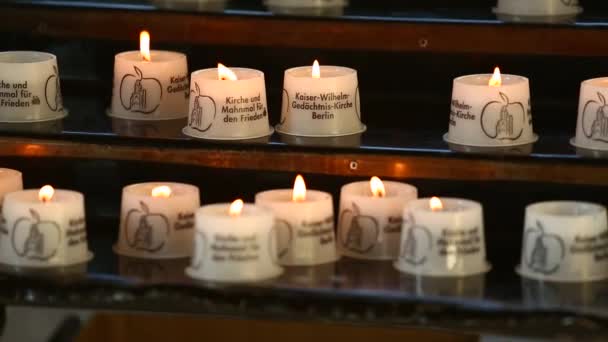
x: 359, y: 165
x: 318, y: 33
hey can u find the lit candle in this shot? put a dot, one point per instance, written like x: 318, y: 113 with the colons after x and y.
x: 369, y: 226
x: 565, y: 241
x: 228, y: 104
x: 46, y: 228
x: 592, y: 124
x: 304, y: 224
x: 234, y: 243
x: 29, y: 87
x: 320, y: 101
x: 150, y: 84
x: 443, y: 237
x: 491, y: 110
x: 157, y: 220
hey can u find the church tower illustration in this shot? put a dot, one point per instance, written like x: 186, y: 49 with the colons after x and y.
x: 138, y: 97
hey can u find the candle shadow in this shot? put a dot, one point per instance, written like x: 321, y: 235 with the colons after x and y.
x: 153, y: 271
x: 192, y: 5
x: 464, y: 287
x: 561, y: 295
x: 148, y: 128
x: 61, y: 273
x: 589, y: 153
x: 352, y: 141
x: 43, y: 127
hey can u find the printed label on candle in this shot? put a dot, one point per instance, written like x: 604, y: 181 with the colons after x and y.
x: 179, y: 83
x: 76, y: 233
x: 543, y: 252
x: 283, y: 233
x: 52, y: 92
x: 596, y: 245
x: 184, y: 221
x: 360, y: 233
x: 459, y: 242
x: 418, y: 243
x: 232, y: 110
x: 140, y: 94
x: 17, y: 94
x: 234, y: 248
x: 146, y: 231
x: 322, y: 229
x: 595, y: 119
x: 460, y: 111
x: 322, y: 106
x: 35, y: 238
x: 499, y: 119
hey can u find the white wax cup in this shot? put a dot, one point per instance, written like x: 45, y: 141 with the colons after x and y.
x: 592, y: 124
x: 532, y: 8
x: 565, y: 242
x: 29, y: 87
x: 150, y: 90
x: 234, y: 248
x: 320, y: 107
x: 304, y: 229
x: 44, y: 234
x: 157, y: 227
x: 228, y: 109
x: 483, y: 115
x: 370, y: 227
x: 444, y: 243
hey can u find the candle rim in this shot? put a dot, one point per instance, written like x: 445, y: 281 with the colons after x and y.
x: 177, y: 189
x: 423, y: 203
x: 250, y: 210
x: 505, y: 79
x: 307, y: 69
x: 549, y: 209
x: 59, y: 197
x: 21, y: 53
x: 403, y: 189
x: 210, y: 74
x: 312, y: 196
x: 177, y: 55
x: 593, y: 82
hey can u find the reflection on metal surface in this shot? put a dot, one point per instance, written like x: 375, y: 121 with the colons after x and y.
x: 317, y: 8
x: 192, y: 5
x: 559, y: 19
x: 587, y: 153
x: 366, y: 274
x: 559, y: 295
x: 538, y: 11
x: 148, y: 129
x: 153, y: 271
x: 309, y: 276
x: 467, y: 287
x: 353, y: 140
x: 521, y: 150
x: 42, y: 127
x: 63, y: 274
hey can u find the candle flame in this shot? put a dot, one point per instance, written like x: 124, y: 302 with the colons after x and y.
x: 46, y: 193
x: 316, y: 69
x: 377, y: 187
x: 162, y: 191
x: 299, y: 190
x: 236, y: 207
x: 224, y: 73
x: 436, y: 204
x: 496, y: 80
x: 144, y: 45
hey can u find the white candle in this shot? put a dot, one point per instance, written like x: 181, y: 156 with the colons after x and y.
x: 565, y: 241
x: 46, y: 228
x: 592, y: 124
x: 320, y: 101
x: 228, y: 104
x: 534, y: 8
x: 150, y: 85
x: 304, y: 224
x: 369, y: 225
x: 443, y: 238
x: 157, y: 220
x: 29, y: 87
x: 10, y: 181
x: 234, y: 243
x: 491, y: 110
